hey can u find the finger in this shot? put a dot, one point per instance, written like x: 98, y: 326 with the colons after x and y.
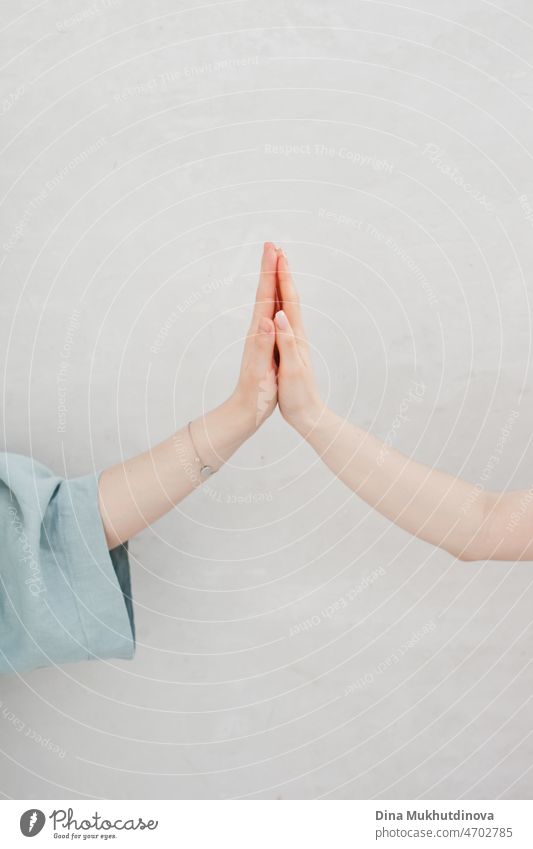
x: 279, y: 305
x: 277, y: 308
x: 265, y: 370
x: 264, y: 342
x: 286, y: 342
x: 290, y: 298
x: 266, y: 291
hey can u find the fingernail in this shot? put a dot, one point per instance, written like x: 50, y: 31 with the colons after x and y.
x: 265, y: 326
x: 281, y: 320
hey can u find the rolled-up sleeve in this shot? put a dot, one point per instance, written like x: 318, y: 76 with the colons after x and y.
x: 63, y: 595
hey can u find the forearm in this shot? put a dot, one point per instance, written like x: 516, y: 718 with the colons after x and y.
x: 137, y: 492
x: 443, y: 510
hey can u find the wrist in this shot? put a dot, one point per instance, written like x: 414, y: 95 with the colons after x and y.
x: 323, y: 429
x: 219, y: 433
x: 307, y: 421
x: 241, y: 416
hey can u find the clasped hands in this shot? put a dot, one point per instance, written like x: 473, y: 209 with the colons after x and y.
x: 276, y: 370
x: 276, y: 367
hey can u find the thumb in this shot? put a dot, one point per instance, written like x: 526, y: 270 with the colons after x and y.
x: 287, y: 346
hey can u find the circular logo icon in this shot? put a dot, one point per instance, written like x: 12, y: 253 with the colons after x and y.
x: 32, y: 822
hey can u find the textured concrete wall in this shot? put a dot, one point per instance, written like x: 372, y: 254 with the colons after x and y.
x: 291, y: 642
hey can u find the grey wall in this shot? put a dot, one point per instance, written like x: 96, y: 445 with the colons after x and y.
x: 148, y: 152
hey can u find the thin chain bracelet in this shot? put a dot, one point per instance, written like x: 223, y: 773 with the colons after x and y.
x: 205, y: 470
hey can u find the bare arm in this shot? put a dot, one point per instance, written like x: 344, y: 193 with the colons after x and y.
x: 448, y: 512
x: 135, y: 493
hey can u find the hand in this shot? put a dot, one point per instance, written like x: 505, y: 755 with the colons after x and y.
x: 256, y: 392
x: 136, y: 492
x: 298, y: 397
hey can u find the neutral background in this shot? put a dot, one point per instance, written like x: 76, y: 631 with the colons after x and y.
x: 291, y: 643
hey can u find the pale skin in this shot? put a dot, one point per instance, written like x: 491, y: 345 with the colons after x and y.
x: 445, y: 511
x: 137, y: 492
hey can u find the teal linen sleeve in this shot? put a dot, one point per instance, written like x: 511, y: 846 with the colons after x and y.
x: 63, y: 595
